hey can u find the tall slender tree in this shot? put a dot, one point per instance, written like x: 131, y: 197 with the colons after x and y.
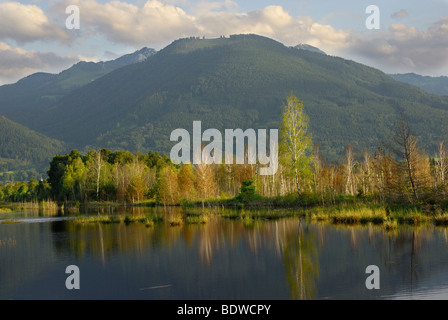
x: 296, y: 142
x: 405, y: 148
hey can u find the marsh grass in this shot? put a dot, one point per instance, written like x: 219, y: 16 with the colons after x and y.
x: 6, y: 210
x: 248, y: 222
x: 390, y: 218
x: 411, y: 216
x: 390, y: 224
x: 10, y: 221
x: 349, y: 215
x: 148, y: 220
x: 264, y: 214
x: 97, y: 219
x: 441, y: 219
x: 33, y: 205
x: 149, y: 223
x: 175, y: 220
x: 230, y: 214
x: 196, y: 219
x: 363, y: 214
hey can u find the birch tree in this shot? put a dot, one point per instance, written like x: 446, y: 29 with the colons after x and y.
x: 442, y: 167
x: 349, y: 164
x: 296, y: 143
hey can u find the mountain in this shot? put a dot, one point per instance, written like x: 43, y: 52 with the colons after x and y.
x: 227, y: 83
x: 21, y: 101
x: 241, y: 82
x: 304, y: 46
x: 22, y: 149
x: 24, y: 153
x: 131, y: 58
x: 435, y: 85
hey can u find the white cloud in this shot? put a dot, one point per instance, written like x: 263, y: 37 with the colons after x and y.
x: 121, y: 22
x: 27, y: 23
x: 16, y: 63
x: 400, y: 14
x: 404, y: 48
x: 157, y: 23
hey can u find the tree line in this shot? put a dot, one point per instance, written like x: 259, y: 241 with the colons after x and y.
x: 397, y: 172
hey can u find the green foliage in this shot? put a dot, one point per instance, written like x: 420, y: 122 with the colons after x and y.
x: 248, y: 193
x: 296, y: 142
x: 31, y: 191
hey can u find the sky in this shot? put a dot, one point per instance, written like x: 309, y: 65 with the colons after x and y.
x: 409, y: 36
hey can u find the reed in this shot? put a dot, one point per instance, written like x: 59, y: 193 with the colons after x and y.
x: 149, y: 223
x: 358, y: 215
x: 175, y: 220
x: 390, y: 224
x: 248, y: 221
x: 196, y: 219
x: 441, y: 219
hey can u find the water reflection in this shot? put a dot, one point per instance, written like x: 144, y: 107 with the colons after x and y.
x: 222, y: 259
x: 301, y: 260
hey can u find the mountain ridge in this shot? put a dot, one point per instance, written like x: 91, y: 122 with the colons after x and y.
x: 25, y: 150
x: 23, y: 100
x: 240, y: 81
x: 434, y: 85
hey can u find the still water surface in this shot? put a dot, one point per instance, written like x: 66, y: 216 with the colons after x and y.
x: 223, y: 259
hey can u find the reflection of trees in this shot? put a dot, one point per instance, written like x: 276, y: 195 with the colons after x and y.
x: 406, y: 253
x: 105, y: 240
x: 401, y: 252
x: 302, y: 263
x: 298, y: 249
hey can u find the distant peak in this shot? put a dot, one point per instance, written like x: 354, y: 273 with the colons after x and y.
x: 304, y: 46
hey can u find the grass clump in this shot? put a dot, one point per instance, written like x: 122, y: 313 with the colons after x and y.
x: 390, y: 224
x: 115, y: 219
x: 441, y: 220
x: 229, y: 214
x: 248, y: 221
x: 97, y: 219
x: 358, y: 215
x: 197, y: 219
x: 6, y: 210
x: 175, y: 220
x: 412, y: 217
x: 149, y: 223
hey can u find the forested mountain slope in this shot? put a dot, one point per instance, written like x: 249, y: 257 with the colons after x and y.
x: 24, y: 100
x: 241, y: 82
x: 23, y: 149
x: 435, y: 85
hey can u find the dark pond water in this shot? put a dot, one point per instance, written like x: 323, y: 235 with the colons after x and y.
x: 223, y: 259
